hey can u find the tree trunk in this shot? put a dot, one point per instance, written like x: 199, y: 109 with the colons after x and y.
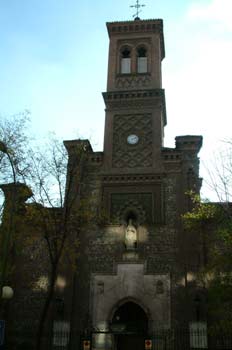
x: 45, y: 310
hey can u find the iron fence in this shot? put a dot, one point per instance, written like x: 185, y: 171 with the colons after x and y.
x: 172, y: 339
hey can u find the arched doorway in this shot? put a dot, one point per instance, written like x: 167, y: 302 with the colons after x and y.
x: 130, y: 326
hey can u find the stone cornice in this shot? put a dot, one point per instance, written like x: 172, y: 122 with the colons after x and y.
x: 132, y: 178
x: 95, y: 158
x: 138, y: 26
x: 74, y: 146
x: 171, y: 154
x: 114, y: 99
x: 189, y: 143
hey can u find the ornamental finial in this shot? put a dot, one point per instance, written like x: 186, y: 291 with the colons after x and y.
x: 137, y: 6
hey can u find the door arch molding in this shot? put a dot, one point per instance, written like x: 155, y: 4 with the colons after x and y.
x: 132, y: 300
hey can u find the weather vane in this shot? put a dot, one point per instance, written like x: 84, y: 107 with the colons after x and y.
x: 137, y: 6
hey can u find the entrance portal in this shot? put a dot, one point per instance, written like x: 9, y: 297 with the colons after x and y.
x: 131, y: 322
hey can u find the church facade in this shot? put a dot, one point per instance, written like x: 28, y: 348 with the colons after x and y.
x: 132, y: 269
x: 135, y: 264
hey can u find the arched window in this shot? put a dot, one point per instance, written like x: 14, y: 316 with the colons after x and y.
x: 125, y: 61
x: 142, y: 60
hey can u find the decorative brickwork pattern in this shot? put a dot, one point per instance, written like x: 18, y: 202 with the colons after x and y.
x: 135, y: 178
x: 146, y: 202
x: 159, y: 264
x: 139, y: 203
x: 130, y: 156
x: 133, y: 81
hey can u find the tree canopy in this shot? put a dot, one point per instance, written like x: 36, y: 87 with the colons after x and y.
x: 212, y: 223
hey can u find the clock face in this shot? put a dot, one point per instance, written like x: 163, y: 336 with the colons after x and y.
x: 132, y: 139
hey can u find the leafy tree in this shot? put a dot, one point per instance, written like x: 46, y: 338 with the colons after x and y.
x: 13, y: 164
x: 53, y: 212
x: 212, y: 224
x: 14, y: 135
x: 220, y: 266
x: 55, y: 209
x: 219, y: 180
x: 219, y: 173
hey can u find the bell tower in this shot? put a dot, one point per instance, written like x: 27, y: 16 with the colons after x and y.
x: 135, y: 100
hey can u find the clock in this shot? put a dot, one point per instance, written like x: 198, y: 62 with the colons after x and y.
x: 132, y: 139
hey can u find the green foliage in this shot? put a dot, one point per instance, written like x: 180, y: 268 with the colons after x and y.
x: 54, y: 214
x: 213, y: 224
x: 14, y: 135
x: 202, y: 212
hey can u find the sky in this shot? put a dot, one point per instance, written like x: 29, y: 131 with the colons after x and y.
x: 54, y: 56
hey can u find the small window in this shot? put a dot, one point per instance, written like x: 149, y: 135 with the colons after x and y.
x: 142, y: 60
x: 126, y: 61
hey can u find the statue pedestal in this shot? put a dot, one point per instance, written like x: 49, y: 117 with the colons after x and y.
x: 130, y: 255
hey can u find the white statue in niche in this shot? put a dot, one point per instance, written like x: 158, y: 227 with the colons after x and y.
x: 131, y: 236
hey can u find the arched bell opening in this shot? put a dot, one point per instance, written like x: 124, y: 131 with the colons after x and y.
x: 142, y: 60
x: 125, y: 60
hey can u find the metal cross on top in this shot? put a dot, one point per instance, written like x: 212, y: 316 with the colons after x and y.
x: 137, y: 6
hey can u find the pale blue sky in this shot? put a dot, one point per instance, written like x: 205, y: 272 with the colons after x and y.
x: 53, y: 62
